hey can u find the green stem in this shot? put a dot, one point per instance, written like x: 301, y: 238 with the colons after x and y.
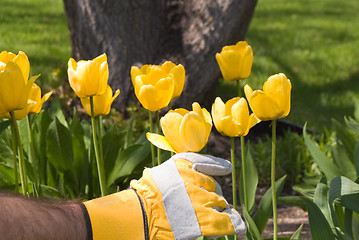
x: 239, y: 91
x: 14, y: 154
x: 244, y: 174
x: 274, y: 196
x: 234, y: 185
x: 21, y: 156
x: 169, y: 109
x: 233, y: 160
x: 33, y: 155
x: 100, y: 168
x: 159, y: 132
x: 153, y: 154
x: 99, y: 125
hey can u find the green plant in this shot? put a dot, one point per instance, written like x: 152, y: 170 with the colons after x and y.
x: 64, y: 155
x: 333, y: 205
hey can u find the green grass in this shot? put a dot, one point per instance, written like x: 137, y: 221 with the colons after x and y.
x: 39, y: 28
x: 315, y: 43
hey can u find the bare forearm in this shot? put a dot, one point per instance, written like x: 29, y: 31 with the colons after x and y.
x: 22, y: 218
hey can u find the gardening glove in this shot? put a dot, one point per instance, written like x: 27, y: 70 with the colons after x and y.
x: 175, y: 200
x: 182, y: 202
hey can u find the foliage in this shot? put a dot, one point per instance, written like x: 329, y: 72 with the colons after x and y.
x: 333, y: 205
x: 64, y: 153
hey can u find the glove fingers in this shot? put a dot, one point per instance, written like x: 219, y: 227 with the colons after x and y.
x: 207, y: 164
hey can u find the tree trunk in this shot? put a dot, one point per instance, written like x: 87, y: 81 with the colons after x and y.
x: 138, y: 32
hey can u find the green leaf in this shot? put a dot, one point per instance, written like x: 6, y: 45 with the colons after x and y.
x: 293, y: 201
x: 297, y: 233
x: 112, y: 142
x: 321, y: 199
x: 252, y: 228
x: 344, y: 192
x: 265, y: 207
x: 7, y: 175
x: 356, y: 158
x: 127, y: 161
x: 4, y: 125
x: 252, y: 181
x: 325, y: 164
x: 55, y: 111
x: 42, y: 126
x: 6, y: 153
x: 319, y: 227
x: 59, y: 146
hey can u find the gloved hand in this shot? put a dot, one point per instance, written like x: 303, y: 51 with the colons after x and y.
x: 178, y: 201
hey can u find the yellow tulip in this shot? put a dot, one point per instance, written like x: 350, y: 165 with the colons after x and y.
x: 235, y: 61
x: 102, y: 103
x: 177, y: 72
x: 274, y: 101
x: 34, y: 103
x: 88, y: 78
x: 20, y: 59
x: 232, y: 119
x: 154, y: 86
x: 184, y: 131
x: 14, y: 90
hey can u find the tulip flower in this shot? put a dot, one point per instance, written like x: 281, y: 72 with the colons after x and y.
x: 156, y: 85
x: 20, y: 59
x: 232, y: 119
x: 184, y: 131
x: 15, y: 90
x: 102, y: 103
x: 235, y: 61
x: 274, y: 101
x: 88, y: 78
x: 34, y: 103
x: 270, y: 104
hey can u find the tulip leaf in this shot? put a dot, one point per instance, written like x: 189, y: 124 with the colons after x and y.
x: 42, y: 125
x: 4, y: 125
x: 325, y: 164
x: 319, y: 227
x: 321, y: 199
x: 128, y: 160
x: 265, y: 207
x: 112, y: 142
x: 356, y: 158
x: 252, y: 228
x: 6, y: 155
x: 7, y: 175
x: 252, y: 181
x: 344, y: 192
x: 297, y: 233
x: 293, y: 201
x: 59, y: 146
x: 56, y: 112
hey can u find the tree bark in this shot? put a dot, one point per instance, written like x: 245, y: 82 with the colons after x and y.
x: 138, y: 32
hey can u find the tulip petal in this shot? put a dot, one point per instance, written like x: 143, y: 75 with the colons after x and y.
x: 135, y: 71
x: 218, y: 112
x: 159, y: 141
x: 193, y: 132
x: 170, y: 124
x: 178, y: 73
x: 13, y: 92
x: 231, y: 128
x: 253, y: 120
x: 167, y: 66
x: 23, y: 62
x: 264, y: 107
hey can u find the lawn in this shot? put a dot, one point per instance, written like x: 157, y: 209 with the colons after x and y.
x: 39, y: 28
x: 315, y: 43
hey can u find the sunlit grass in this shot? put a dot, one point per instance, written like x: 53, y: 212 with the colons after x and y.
x: 39, y: 28
x: 315, y: 43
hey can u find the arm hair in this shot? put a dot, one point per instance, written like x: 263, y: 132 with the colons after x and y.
x: 34, y: 219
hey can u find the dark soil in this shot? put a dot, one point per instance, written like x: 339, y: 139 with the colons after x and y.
x: 289, y: 217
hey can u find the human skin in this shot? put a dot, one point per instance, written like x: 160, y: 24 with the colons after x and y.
x: 34, y: 219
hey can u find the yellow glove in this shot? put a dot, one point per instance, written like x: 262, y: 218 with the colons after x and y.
x: 182, y: 202
x: 176, y: 200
